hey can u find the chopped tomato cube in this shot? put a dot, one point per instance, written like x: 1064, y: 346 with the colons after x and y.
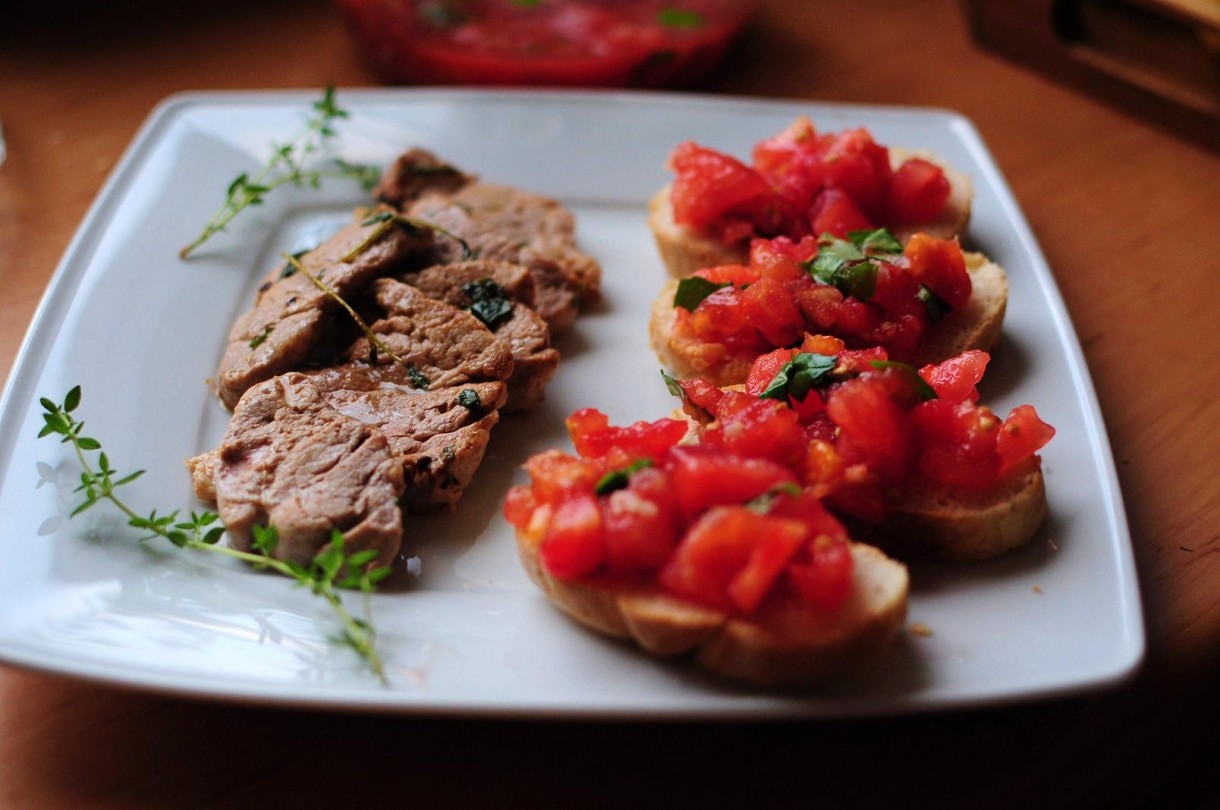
x: 918, y: 192
x: 708, y: 185
x: 955, y: 379
x: 1022, y: 434
x: 574, y: 542
x: 594, y: 436
x: 939, y: 265
x: 716, y: 549
x: 703, y: 478
x: 519, y: 505
x: 640, y: 521
x: 836, y: 213
x: 826, y: 580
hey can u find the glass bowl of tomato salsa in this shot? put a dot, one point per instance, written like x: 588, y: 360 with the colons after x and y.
x: 567, y: 43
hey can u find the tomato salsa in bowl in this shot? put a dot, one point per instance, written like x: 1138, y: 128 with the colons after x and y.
x: 600, y: 43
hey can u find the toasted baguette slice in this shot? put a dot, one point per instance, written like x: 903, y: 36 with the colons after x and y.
x: 975, y: 326
x: 786, y: 644
x: 684, y: 249
x: 926, y: 521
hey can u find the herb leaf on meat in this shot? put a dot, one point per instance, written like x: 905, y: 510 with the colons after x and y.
x: 329, y: 571
x: 489, y: 301
x: 289, y: 164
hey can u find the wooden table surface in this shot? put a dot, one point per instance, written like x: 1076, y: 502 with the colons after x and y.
x: 1127, y: 215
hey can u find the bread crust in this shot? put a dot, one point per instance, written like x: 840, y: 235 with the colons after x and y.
x: 684, y: 249
x: 975, y: 326
x: 785, y: 644
x: 929, y: 522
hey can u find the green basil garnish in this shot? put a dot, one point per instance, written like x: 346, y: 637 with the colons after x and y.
x: 490, y: 303
x: 692, y: 290
x: 935, y: 306
x: 618, y: 479
x: 800, y: 375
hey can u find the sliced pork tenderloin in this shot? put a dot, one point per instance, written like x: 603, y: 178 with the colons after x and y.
x: 290, y: 460
x: 498, y: 294
x: 292, y: 316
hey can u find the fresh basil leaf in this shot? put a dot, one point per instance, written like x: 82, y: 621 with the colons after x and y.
x: 762, y: 503
x: 618, y: 479
x: 672, y: 386
x: 468, y: 398
x: 800, y: 375
x: 879, y: 242
x: 692, y: 290
x: 680, y: 18
x: 490, y: 302
x: 936, y: 306
x: 417, y: 378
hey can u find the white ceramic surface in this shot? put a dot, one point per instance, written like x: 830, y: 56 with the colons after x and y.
x: 141, y: 331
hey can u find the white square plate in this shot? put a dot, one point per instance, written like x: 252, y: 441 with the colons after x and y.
x: 141, y: 331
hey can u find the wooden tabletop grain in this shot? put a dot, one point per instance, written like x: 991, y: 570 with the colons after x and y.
x: 1128, y: 217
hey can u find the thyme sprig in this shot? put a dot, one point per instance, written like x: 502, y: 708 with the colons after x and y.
x: 332, y: 569
x: 378, y: 345
x: 289, y: 164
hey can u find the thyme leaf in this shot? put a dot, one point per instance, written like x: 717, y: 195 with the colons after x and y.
x: 332, y: 569
x: 291, y: 163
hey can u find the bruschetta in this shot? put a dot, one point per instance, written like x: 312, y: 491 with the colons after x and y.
x: 800, y: 182
x: 906, y: 457
x: 924, y: 301
x: 702, y: 551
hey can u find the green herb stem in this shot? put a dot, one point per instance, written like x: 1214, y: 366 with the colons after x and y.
x: 322, y: 577
x: 287, y: 165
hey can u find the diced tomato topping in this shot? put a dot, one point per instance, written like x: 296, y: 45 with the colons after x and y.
x: 735, y: 274
x: 519, y: 505
x: 764, y: 369
x: 859, y: 166
x: 826, y: 580
x: 709, y: 185
x: 557, y: 475
x: 955, y: 379
x: 873, y: 430
x: 1022, y: 434
x: 704, y: 478
x: 919, y: 191
x: 802, y: 182
x: 716, y: 549
x: 957, y: 443
x: 574, y: 542
x: 939, y: 265
x: 836, y: 213
x: 594, y: 437
x: 770, y: 556
x: 641, y: 524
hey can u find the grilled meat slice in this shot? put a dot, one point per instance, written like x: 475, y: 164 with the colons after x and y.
x: 507, y: 224
x: 439, y: 345
x: 291, y: 316
x: 438, y: 436
x: 416, y: 172
x: 290, y: 460
x: 534, y: 361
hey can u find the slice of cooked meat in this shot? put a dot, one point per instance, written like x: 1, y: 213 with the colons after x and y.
x: 438, y: 436
x: 439, y: 345
x: 416, y: 172
x: 290, y: 318
x: 290, y: 460
x: 444, y: 282
x: 500, y: 284
x: 508, y: 224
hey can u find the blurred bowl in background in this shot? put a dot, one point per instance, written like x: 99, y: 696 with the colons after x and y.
x: 568, y: 43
